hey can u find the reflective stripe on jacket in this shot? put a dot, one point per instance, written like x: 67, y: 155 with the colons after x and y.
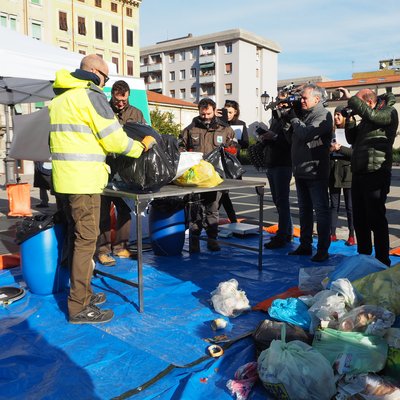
x: 83, y: 131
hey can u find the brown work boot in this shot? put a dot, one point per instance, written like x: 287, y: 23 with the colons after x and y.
x: 213, y: 245
x: 194, y: 245
x: 124, y: 253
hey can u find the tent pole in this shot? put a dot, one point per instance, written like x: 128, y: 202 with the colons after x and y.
x: 9, y: 162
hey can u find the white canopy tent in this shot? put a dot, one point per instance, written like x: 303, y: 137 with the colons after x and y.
x: 28, y: 61
x: 24, y: 57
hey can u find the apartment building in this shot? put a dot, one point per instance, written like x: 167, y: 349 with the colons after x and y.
x: 232, y: 64
x: 109, y: 28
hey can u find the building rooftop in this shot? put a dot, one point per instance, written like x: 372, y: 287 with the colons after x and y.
x: 361, y: 82
x: 158, y: 98
x: 190, y: 41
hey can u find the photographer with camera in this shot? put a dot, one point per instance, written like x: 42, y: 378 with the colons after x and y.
x: 311, y: 135
x: 277, y: 160
x: 371, y: 163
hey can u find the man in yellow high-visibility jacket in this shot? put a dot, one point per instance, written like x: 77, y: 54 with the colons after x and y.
x: 83, y: 131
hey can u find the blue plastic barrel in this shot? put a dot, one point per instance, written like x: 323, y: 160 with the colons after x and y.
x: 167, y: 231
x: 40, y: 261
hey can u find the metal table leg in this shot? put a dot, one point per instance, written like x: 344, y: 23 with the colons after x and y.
x: 260, y: 192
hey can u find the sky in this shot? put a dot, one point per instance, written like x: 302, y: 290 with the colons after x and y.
x: 331, y: 38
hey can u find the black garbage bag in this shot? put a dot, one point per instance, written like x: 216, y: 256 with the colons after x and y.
x: 226, y: 164
x: 154, y: 168
x: 31, y: 226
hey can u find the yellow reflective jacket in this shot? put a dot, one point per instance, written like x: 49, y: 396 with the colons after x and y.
x: 83, y: 131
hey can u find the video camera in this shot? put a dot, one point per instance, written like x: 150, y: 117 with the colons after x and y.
x: 289, y: 96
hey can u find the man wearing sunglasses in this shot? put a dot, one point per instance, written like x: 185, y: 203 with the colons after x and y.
x: 83, y: 131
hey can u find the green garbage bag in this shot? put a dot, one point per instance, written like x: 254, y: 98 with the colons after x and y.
x: 351, y: 352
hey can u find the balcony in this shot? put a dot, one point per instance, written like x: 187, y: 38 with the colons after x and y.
x: 155, y: 67
x: 144, y: 69
x: 207, y: 79
x: 154, y: 85
x: 207, y: 58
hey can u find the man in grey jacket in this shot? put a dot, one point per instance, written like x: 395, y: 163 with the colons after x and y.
x: 311, y: 135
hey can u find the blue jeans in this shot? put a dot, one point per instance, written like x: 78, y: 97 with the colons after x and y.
x: 279, y: 183
x: 313, y: 195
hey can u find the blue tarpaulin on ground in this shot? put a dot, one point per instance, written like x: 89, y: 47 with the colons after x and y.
x: 42, y: 356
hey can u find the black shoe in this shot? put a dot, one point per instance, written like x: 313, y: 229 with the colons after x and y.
x: 41, y: 205
x: 276, y: 243
x: 92, y: 315
x: 289, y: 238
x: 98, y: 298
x: 213, y: 245
x: 301, y: 251
x: 320, y: 256
x: 194, y: 245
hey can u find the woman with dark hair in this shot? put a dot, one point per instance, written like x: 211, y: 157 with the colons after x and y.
x: 340, y: 178
x: 233, y: 110
x: 242, y: 136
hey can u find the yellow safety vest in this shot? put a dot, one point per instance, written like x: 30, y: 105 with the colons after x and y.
x: 83, y: 131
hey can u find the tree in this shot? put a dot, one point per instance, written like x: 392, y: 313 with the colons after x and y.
x: 163, y: 122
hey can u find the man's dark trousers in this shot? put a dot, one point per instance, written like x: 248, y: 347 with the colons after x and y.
x: 313, y: 195
x: 369, y: 193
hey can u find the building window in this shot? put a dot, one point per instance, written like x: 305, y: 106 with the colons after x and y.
x: 181, y: 56
x: 114, y: 34
x: 228, y: 68
x: 257, y: 73
x: 182, y: 74
x: 81, y: 26
x: 128, y: 12
x: 37, y: 2
x: 36, y: 30
x: 129, y: 67
x: 171, y: 57
x: 192, y: 54
x: 114, y: 7
x: 82, y: 52
x: 172, y: 75
x: 129, y: 38
x: 62, y: 21
x: 97, y: 3
x: 193, y: 72
x: 182, y: 93
x: 115, y: 61
x: 228, y: 88
x: 193, y: 92
x: 228, y: 48
x: 99, y: 30
x: 172, y: 93
x: 8, y: 21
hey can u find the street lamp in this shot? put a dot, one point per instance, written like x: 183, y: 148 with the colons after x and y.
x: 265, y: 97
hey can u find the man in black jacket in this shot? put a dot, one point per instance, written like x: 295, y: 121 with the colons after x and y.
x: 371, y: 163
x: 311, y: 138
x: 277, y: 160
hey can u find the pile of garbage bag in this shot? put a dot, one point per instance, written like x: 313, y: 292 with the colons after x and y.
x: 339, y: 341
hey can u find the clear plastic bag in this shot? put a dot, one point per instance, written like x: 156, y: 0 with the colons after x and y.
x: 228, y: 300
x: 295, y: 370
x: 327, y: 306
x: 369, y: 319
